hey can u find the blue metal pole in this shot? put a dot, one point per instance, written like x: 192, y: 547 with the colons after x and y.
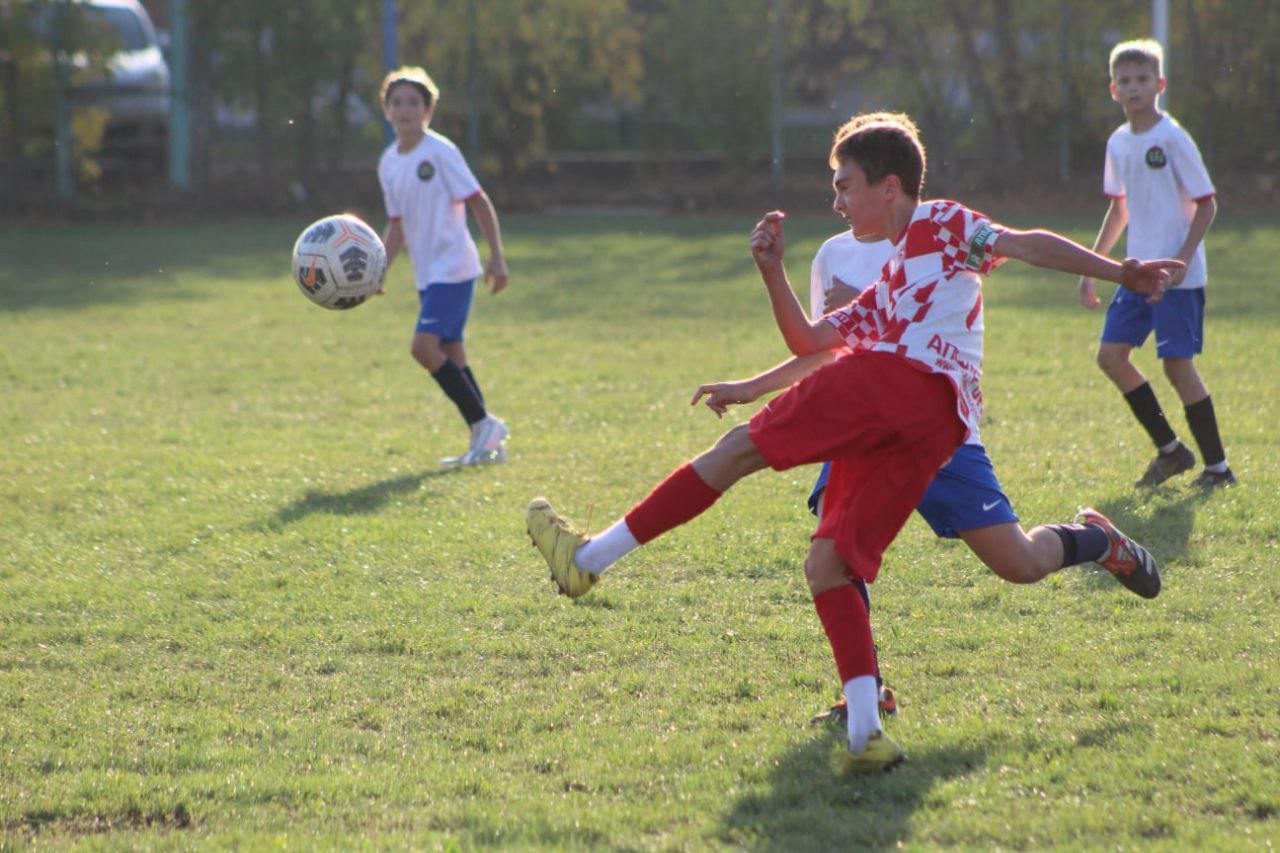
x: 179, y: 117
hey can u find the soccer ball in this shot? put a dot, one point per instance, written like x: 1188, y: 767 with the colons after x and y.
x: 339, y: 261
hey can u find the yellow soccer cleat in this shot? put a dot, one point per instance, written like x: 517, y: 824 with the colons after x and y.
x: 881, y: 754
x: 558, y: 541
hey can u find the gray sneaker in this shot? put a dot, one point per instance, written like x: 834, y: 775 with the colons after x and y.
x: 1167, y: 465
x: 1210, y: 480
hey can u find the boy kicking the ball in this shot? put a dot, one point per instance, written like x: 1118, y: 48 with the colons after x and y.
x: 427, y: 189
x: 965, y: 500
x: 888, y: 415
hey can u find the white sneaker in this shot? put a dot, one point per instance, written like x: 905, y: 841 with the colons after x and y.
x: 488, y: 435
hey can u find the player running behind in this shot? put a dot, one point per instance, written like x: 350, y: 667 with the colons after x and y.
x: 925, y: 315
x: 1161, y: 191
x: 427, y: 189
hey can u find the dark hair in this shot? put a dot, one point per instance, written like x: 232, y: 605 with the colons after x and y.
x: 882, y: 144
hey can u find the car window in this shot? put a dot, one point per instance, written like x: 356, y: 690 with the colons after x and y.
x: 120, y: 23
x: 115, y: 26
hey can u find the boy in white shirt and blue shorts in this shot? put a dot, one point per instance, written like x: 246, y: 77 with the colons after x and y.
x: 1161, y: 191
x: 427, y: 189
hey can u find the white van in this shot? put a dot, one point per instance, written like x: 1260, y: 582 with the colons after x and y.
x: 135, y: 90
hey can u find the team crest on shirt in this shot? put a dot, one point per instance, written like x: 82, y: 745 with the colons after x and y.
x: 1156, y: 158
x: 426, y: 171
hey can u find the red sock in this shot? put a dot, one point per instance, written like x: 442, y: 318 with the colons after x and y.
x: 681, y: 497
x: 844, y: 618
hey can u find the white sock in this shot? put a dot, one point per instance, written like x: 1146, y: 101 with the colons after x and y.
x: 861, y: 695
x: 1217, y: 468
x: 1169, y: 448
x: 606, y: 549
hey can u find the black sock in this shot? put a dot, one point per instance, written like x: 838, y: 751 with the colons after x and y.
x: 1204, y: 426
x: 1081, y: 543
x: 475, y: 386
x: 454, y: 384
x: 1146, y: 408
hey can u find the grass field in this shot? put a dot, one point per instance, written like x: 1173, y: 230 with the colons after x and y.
x: 242, y: 605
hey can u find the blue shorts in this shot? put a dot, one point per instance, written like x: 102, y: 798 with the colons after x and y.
x: 964, y: 494
x: 1177, y: 320
x: 445, y: 308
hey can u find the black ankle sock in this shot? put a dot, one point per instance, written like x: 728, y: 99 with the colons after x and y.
x: 453, y: 382
x: 475, y: 386
x: 1081, y: 543
x: 1146, y: 408
x: 1204, y: 426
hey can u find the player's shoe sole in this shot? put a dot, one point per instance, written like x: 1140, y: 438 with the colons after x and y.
x: 880, y: 755
x: 476, y: 457
x: 1131, y: 564
x: 557, y: 542
x: 1167, y: 465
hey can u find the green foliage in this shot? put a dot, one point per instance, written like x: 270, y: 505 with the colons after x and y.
x: 1004, y: 89
x: 34, y: 38
x: 242, y: 606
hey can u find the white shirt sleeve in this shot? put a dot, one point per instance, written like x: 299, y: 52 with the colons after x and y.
x: 1188, y: 166
x: 1112, y: 179
x: 458, y: 178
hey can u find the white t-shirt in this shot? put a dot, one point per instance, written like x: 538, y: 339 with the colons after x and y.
x: 843, y: 257
x: 1161, y: 176
x: 427, y: 189
x: 926, y: 306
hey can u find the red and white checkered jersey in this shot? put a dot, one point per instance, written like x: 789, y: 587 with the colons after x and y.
x: 927, y: 305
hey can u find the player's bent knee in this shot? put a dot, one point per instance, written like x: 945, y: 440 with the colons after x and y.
x: 1109, y: 359
x: 736, y: 447
x: 427, y: 352
x: 823, y: 574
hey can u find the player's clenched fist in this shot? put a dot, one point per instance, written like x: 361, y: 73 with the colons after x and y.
x: 766, y: 240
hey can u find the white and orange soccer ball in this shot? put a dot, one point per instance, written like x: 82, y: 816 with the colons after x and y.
x: 339, y: 261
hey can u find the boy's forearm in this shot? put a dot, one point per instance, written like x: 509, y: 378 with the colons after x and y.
x: 487, y: 219
x: 1206, y: 211
x: 790, y: 371
x: 792, y: 322
x: 1053, y: 251
x: 1113, y: 225
x: 393, y: 241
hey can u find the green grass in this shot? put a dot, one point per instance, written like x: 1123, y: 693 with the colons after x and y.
x: 241, y: 604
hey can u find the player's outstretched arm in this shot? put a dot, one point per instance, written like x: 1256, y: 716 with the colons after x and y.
x: 1043, y: 248
x: 721, y: 395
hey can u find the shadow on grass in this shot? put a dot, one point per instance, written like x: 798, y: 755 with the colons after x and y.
x: 76, y: 267
x: 811, y: 805
x: 365, y: 500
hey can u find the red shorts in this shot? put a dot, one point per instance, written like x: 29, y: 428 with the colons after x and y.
x: 887, y: 428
